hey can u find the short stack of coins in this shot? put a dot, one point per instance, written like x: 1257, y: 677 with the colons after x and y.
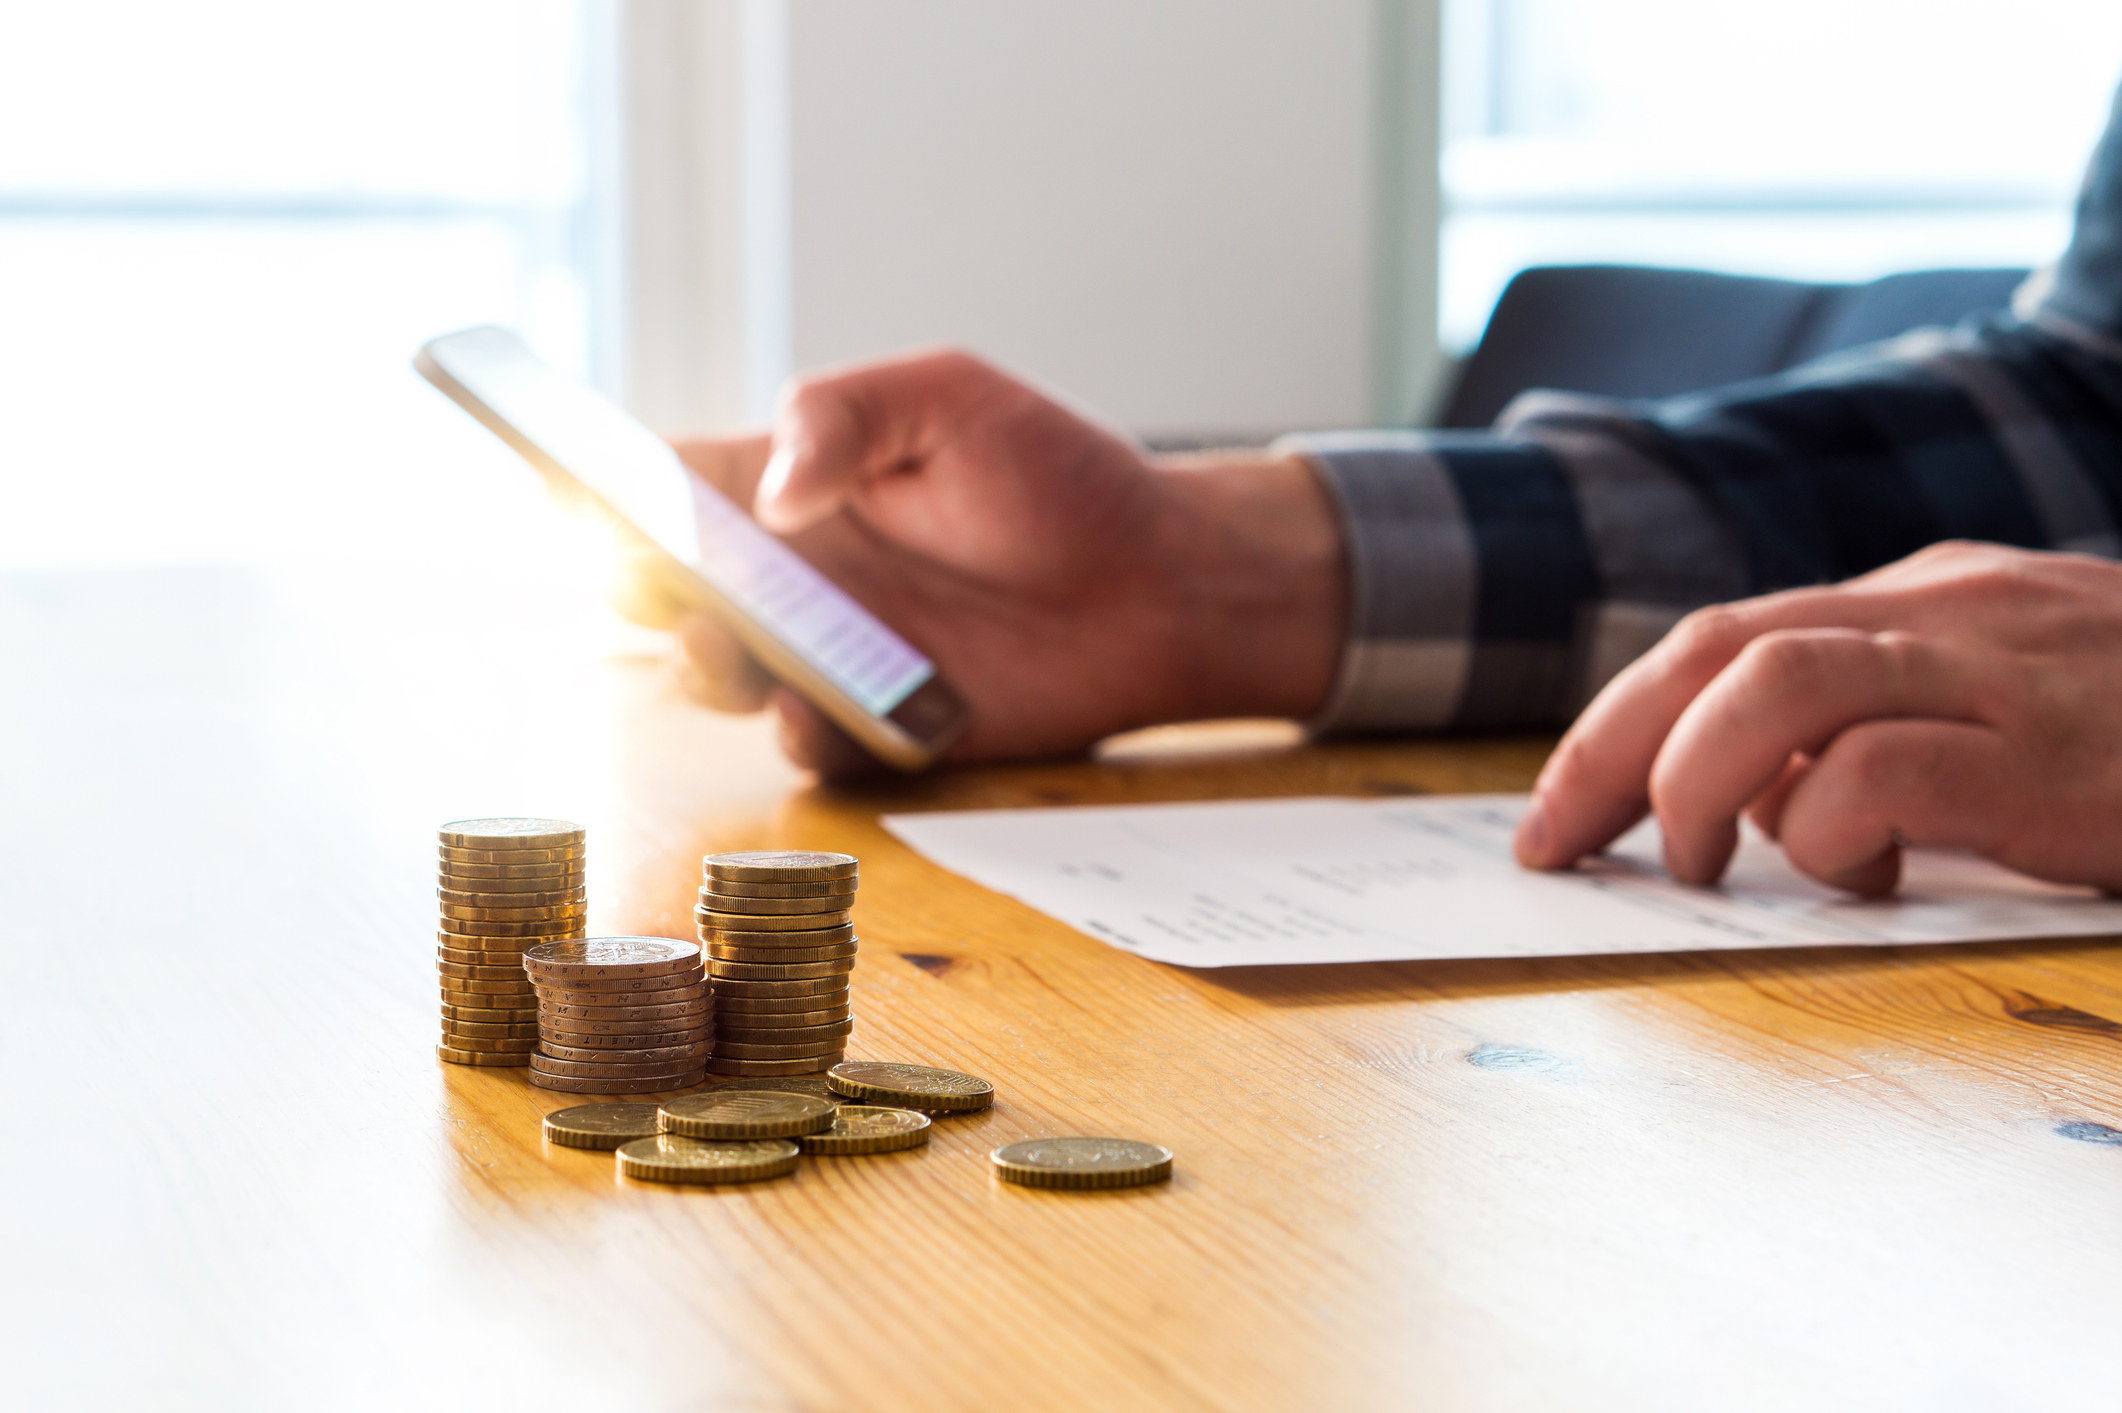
x: 619, y: 1015
x: 780, y: 938
x: 506, y: 884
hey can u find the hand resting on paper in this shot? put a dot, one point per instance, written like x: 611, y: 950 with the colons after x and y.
x: 1069, y: 584
x: 1967, y: 697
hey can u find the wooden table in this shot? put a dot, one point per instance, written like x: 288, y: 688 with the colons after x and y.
x: 236, y: 1175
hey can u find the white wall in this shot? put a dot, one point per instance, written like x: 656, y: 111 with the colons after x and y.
x: 1196, y: 216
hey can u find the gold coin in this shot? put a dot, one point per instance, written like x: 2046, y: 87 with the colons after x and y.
x: 491, y: 1015
x: 911, y: 1086
x: 779, y: 956
x: 490, y: 1030
x: 610, y: 959
x: 734, y: 1005
x: 718, y: 1065
x: 830, y: 888
x: 726, y: 1049
x: 511, y: 878
x: 693, y: 989
x: 514, y: 858
x: 463, y: 972
x: 486, y: 1045
x: 799, y: 941
x: 862, y: 1128
x: 795, y: 971
x: 510, y: 833
x: 669, y: 1056
x: 475, y: 1057
x: 562, y: 898
x: 603, y: 1126
x: 728, y: 989
x: 781, y: 1020
x: 636, y: 991
x: 682, y: 1001
x: 727, y: 1033
x: 615, y: 1086
x: 668, y: 1071
x: 812, y: 1084
x: 1082, y: 1162
x: 779, y: 866
x: 687, y: 1035
x: 757, y: 1113
x: 725, y: 903
x: 683, y: 1018
x: 492, y: 987
x: 572, y: 912
x: 553, y: 930
x: 466, y: 958
x: 756, y: 922
x: 670, y: 1158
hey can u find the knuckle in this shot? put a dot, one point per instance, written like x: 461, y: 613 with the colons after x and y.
x: 1708, y: 632
x: 1786, y: 661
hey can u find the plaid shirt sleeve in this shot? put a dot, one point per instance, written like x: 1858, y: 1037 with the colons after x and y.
x: 1501, y: 578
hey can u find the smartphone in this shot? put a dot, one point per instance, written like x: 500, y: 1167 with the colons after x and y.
x: 710, y: 553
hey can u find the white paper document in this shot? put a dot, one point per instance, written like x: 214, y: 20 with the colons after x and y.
x: 1265, y: 882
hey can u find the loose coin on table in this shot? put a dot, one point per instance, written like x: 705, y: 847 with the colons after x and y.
x: 756, y: 1113
x: 669, y: 1158
x: 910, y: 1086
x: 812, y: 1084
x: 862, y: 1128
x: 604, y: 1126
x: 1082, y: 1162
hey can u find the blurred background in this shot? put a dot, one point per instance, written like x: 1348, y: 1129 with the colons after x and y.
x: 224, y: 226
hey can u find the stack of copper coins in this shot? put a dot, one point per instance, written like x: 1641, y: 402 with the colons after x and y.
x: 506, y: 884
x: 619, y: 1015
x: 780, y: 938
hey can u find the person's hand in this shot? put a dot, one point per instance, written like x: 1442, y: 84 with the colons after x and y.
x: 1968, y: 697
x: 1067, y: 585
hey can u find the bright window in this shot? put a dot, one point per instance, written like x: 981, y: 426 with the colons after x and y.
x: 224, y: 228
x: 1814, y: 139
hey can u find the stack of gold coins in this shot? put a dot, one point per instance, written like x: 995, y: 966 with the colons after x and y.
x: 506, y: 884
x: 780, y: 940
x: 619, y: 1015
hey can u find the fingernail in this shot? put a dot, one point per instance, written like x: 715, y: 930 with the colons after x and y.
x: 1532, y: 834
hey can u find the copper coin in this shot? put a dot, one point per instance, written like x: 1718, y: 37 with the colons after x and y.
x: 601, y: 1126
x: 683, y: 999
x: 616, y: 1086
x: 798, y: 970
x: 491, y: 1015
x: 731, y: 1050
x: 829, y: 888
x: 780, y: 1020
x: 780, y: 956
x: 595, y: 959
x: 486, y: 1045
x: 729, y: 1003
x: 911, y: 1086
x: 669, y: 1054
x: 688, y: 1035
x: 511, y: 832
x: 619, y: 991
x: 554, y: 930
x: 591, y: 1069
x: 753, y: 1113
x: 730, y: 988
x: 779, y: 866
x: 793, y: 1035
x: 821, y: 937
x: 755, y: 922
x: 464, y: 973
x: 820, y: 1065
x: 812, y: 1084
x: 491, y: 1030
x: 516, y: 857
x: 474, y: 1057
x: 566, y: 900
x: 725, y: 903
x: 698, y: 1015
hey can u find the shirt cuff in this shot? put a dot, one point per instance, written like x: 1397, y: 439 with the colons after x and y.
x: 1413, y: 579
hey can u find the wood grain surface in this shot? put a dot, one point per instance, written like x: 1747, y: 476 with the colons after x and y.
x: 236, y: 1176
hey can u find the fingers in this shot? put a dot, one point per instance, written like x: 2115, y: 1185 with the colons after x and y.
x: 1881, y: 784
x: 716, y: 671
x: 836, y: 430
x: 1767, y: 809
x: 732, y: 465
x: 1785, y: 692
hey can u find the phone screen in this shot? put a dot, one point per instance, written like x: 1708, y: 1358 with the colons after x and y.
x: 636, y: 473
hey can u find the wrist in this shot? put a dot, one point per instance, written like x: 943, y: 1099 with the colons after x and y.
x: 1259, y: 580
